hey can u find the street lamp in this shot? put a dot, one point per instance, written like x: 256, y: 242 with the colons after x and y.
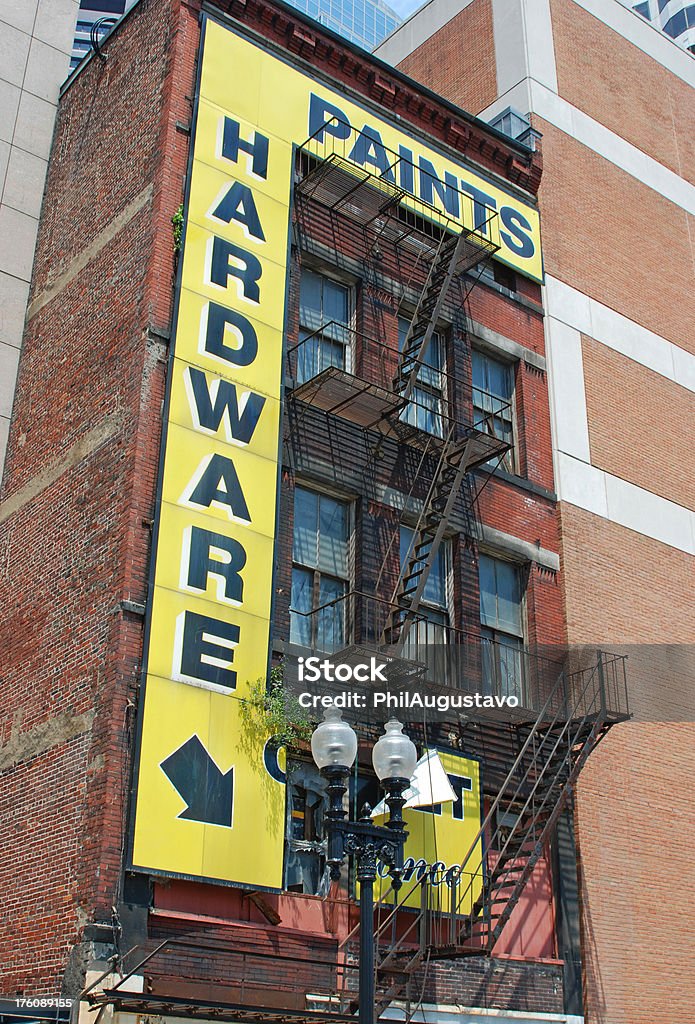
x: 334, y: 748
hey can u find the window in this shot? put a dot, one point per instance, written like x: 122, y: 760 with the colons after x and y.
x: 324, y: 318
x: 305, y: 847
x: 501, y: 627
x: 427, y: 400
x: 493, y: 391
x: 427, y: 636
x: 320, y: 570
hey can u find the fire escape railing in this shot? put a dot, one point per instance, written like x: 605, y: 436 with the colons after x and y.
x: 464, y: 913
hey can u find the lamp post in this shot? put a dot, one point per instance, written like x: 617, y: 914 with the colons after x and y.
x: 334, y: 748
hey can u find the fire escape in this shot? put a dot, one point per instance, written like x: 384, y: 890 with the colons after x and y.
x: 531, y: 761
x: 381, y: 396
x: 567, y: 708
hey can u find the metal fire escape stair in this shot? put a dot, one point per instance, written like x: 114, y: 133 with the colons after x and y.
x: 455, y: 458
x: 513, y: 836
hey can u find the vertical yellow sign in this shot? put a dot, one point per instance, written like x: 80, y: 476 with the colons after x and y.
x: 206, y: 807
x: 441, y: 840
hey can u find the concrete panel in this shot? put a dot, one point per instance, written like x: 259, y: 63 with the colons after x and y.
x: 25, y: 181
x: 4, y: 432
x: 19, y: 13
x: 649, y: 514
x: 567, y: 395
x: 567, y: 304
x: 510, y: 48
x: 14, y: 51
x: 5, y: 150
x: 34, y: 128
x: 607, y: 144
x: 581, y: 485
x: 47, y: 69
x: 618, y: 332
x: 539, y: 43
x: 9, y: 360
x: 684, y: 368
x: 9, y: 104
x: 13, y: 303
x: 55, y: 23
x: 17, y: 242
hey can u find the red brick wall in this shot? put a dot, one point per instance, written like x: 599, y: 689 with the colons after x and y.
x: 623, y: 88
x: 79, y: 491
x: 608, y: 235
x: 459, y: 60
x: 641, y: 425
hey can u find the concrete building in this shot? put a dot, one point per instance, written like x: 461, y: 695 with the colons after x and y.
x: 365, y: 22
x: 35, y: 43
x: 674, y: 17
x: 350, y: 335
x: 613, y: 99
x: 104, y: 12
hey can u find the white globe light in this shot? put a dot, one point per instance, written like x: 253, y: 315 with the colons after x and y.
x: 334, y: 742
x: 394, y: 755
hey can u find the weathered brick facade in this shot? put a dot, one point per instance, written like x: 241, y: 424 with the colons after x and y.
x: 79, y: 500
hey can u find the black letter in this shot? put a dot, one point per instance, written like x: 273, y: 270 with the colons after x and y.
x: 201, y: 565
x: 221, y: 268
x: 515, y: 222
x: 430, y: 183
x: 482, y: 204
x: 257, y: 148
x: 218, y: 318
x: 220, y: 470
x: 238, y: 204
x: 195, y: 647
x: 325, y: 119
x: 239, y: 427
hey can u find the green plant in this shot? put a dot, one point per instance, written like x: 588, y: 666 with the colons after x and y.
x: 270, y: 707
x: 177, y: 224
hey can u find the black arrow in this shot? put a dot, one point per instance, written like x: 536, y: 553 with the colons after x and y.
x: 197, y: 779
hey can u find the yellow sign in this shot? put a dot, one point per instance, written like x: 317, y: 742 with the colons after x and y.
x: 206, y: 806
x: 440, y: 840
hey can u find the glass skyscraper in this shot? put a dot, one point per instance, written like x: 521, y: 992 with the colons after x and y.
x: 92, y: 11
x: 675, y: 18
x: 365, y: 22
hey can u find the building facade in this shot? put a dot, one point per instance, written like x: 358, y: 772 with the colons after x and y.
x: 35, y: 45
x: 676, y: 20
x: 613, y: 100
x: 315, y: 421
x: 365, y: 22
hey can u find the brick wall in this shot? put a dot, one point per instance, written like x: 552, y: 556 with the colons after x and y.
x: 79, y: 494
x: 608, y: 235
x: 459, y: 59
x: 641, y: 425
x: 620, y: 86
x: 636, y: 872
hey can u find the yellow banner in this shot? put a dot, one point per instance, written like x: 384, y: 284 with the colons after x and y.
x: 206, y: 806
x: 439, y: 840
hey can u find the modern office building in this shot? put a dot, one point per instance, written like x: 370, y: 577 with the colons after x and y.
x: 100, y: 13
x: 674, y: 17
x: 613, y: 100
x: 331, y: 435
x: 365, y: 22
